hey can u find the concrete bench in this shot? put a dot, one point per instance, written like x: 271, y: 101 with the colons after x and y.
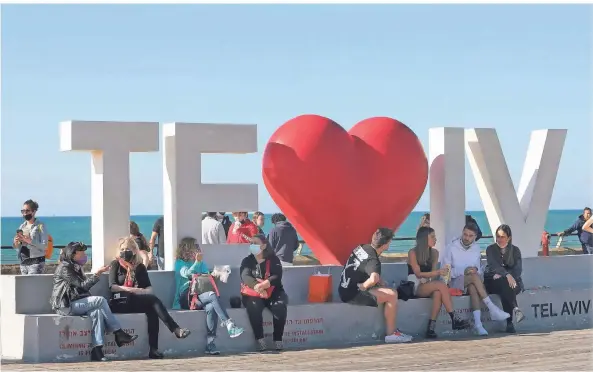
x: 49, y: 338
x: 31, y: 333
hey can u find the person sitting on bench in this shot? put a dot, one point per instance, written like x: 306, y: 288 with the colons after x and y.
x: 131, y: 292
x: 261, y: 287
x: 189, y: 262
x: 361, y: 283
x: 71, y: 296
x: 422, y: 270
x: 463, y: 255
x: 503, y: 274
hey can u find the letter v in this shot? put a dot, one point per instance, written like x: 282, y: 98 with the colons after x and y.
x: 525, y: 211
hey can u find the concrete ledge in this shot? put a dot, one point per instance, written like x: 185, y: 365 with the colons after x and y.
x: 29, y: 294
x: 50, y: 338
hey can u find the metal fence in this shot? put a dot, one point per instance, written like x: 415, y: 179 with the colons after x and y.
x: 398, y: 245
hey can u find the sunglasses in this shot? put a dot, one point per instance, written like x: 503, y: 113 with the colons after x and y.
x: 23, y: 211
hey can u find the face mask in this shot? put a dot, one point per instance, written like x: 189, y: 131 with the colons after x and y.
x: 126, y: 255
x: 82, y: 261
x: 28, y: 217
x: 254, y: 249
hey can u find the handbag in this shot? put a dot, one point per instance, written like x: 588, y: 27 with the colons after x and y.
x: 200, y: 283
x: 247, y: 291
x: 405, y: 290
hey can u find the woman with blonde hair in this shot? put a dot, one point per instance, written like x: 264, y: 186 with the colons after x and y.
x: 131, y: 292
x: 189, y: 262
x: 422, y: 270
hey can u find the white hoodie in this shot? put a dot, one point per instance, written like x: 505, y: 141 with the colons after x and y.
x: 460, y: 259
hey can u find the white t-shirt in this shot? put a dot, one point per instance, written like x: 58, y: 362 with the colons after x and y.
x: 212, y: 231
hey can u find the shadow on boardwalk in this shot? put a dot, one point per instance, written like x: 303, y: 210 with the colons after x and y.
x: 563, y: 350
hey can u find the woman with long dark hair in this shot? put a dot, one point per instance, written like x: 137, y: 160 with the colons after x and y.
x: 422, y: 270
x: 503, y: 274
x: 261, y: 287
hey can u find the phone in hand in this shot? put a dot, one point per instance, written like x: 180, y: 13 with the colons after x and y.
x: 19, y: 231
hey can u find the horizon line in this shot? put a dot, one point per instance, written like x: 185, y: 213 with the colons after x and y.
x: 265, y: 213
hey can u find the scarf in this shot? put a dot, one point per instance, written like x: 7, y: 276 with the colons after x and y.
x: 129, y: 281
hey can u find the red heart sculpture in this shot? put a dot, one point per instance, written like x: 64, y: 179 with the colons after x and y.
x: 338, y: 187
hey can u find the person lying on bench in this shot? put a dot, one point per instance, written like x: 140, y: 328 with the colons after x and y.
x: 71, y: 296
x: 131, y: 292
x: 189, y: 263
x: 503, y: 274
x: 463, y: 255
x: 261, y: 287
x: 422, y: 270
x: 361, y: 283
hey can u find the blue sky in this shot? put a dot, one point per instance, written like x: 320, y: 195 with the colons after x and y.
x: 515, y: 68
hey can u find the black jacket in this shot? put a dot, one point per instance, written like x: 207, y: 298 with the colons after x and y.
x: 284, y: 241
x: 497, y: 264
x: 250, y: 271
x: 70, y: 284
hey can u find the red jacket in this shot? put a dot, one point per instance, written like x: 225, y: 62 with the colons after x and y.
x: 247, y: 230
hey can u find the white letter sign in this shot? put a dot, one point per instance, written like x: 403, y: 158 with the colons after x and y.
x: 524, y: 211
x: 185, y: 197
x: 110, y: 144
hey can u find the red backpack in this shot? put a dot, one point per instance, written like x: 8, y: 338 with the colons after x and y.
x: 200, y: 283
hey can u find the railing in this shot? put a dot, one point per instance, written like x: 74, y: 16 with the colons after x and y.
x: 399, y: 244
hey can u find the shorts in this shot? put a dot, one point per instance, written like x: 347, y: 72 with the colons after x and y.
x: 413, y: 278
x: 364, y: 298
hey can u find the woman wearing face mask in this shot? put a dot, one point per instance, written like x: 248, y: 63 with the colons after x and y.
x: 189, y: 262
x: 131, y: 292
x: 503, y: 274
x: 261, y: 287
x: 31, y: 240
x: 71, y: 296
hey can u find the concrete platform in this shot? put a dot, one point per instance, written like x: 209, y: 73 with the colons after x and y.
x: 555, y: 351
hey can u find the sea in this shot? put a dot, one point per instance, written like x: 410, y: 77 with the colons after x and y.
x: 66, y: 229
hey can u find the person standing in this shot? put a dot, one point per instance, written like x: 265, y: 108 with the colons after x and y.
x: 242, y: 230
x: 212, y: 230
x: 283, y: 239
x: 578, y: 227
x: 31, y: 240
x: 157, y: 236
x: 259, y: 219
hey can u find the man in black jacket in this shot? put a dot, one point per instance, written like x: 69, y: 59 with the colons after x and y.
x: 283, y: 239
x: 578, y: 227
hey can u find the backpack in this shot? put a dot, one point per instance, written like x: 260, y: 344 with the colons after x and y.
x: 49, y: 250
x: 200, y: 283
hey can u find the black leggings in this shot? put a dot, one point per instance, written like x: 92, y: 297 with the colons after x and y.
x: 154, y: 309
x: 508, y: 295
x: 277, y: 304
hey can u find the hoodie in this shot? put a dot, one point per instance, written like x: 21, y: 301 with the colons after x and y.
x: 284, y: 240
x: 578, y: 227
x: 460, y: 259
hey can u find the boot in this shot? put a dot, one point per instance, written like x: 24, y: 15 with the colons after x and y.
x: 122, y: 338
x: 430, y: 333
x: 155, y: 354
x: 97, y: 354
x: 458, y: 324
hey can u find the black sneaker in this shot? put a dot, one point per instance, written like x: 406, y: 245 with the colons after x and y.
x: 122, y: 338
x: 155, y: 354
x: 459, y: 324
x: 510, y: 328
x: 97, y: 354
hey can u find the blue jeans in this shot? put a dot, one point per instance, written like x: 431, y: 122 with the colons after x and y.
x: 213, y: 312
x: 32, y: 269
x: 97, y: 308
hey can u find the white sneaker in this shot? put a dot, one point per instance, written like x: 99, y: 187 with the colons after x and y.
x: 497, y: 314
x: 518, y: 315
x: 397, y: 338
x: 479, y: 329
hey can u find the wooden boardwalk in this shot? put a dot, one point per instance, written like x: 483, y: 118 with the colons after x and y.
x: 563, y: 350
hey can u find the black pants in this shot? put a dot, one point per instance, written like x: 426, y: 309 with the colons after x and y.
x: 508, y: 295
x: 150, y: 305
x: 277, y: 304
